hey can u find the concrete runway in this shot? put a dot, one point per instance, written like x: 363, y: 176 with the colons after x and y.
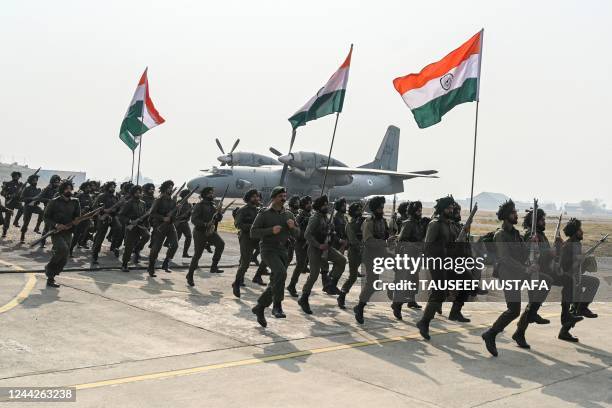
x: 127, y: 340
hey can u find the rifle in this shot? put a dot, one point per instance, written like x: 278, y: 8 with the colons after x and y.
x: 393, y: 217
x: 534, y: 247
x: 462, y: 237
x: 172, y: 213
x: 209, y: 227
x: 558, y: 231
x: 112, y: 208
x: 330, y: 233
x: 15, y: 199
x: 175, y: 196
x: 72, y: 223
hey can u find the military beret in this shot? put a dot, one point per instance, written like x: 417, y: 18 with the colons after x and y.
x: 249, y: 194
x: 277, y: 190
x: 206, y: 190
x: 376, y: 202
x: 320, y: 202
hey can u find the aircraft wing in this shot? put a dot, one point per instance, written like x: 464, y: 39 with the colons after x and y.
x: 359, y: 170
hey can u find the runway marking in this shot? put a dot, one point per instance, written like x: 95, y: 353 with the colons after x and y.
x: 23, y: 294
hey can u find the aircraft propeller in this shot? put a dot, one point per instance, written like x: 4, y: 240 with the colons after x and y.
x: 226, y: 158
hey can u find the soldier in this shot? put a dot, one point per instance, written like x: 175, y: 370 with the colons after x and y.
x: 294, y: 207
x: 46, y: 195
x: 273, y: 226
x: 354, y: 238
x: 340, y: 241
x: 81, y: 230
x: 148, y: 195
x: 320, y: 251
x: 512, y: 264
x: 182, y: 223
x: 204, y: 218
x: 375, y: 227
x: 413, y: 230
x: 60, y: 214
x: 108, y: 201
x: 301, y: 245
x: 243, y: 221
x: 136, y: 230
x: 162, y: 220
x: 402, y: 211
x: 583, y: 287
x: 29, y: 194
x: 10, y: 191
x: 438, y: 240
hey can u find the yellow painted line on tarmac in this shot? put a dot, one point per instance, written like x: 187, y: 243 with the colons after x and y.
x: 24, y: 293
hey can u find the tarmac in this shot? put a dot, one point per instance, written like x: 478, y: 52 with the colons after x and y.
x: 127, y: 340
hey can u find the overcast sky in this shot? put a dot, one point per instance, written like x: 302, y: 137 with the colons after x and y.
x: 239, y: 69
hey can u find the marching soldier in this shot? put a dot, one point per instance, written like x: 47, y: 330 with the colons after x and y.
x: 584, y: 287
x: 320, y: 251
x: 273, y: 226
x: 108, y: 201
x: 136, y: 230
x: 513, y: 263
x: 182, y: 223
x: 294, y: 207
x: 243, y: 221
x: 29, y: 194
x: 204, y: 218
x: 162, y: 220
x: 59, y: 215
x: 340, y: 221
x: 10, y: 190
x: 375, y: 227
x: 148, y: 195
x: 46, y: 195
x: 354, y: 238
x: 413, y: 230
x: 81, y: 230
x: 301, y: 245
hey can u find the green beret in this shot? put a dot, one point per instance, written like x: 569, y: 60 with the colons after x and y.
x: 277, y: 190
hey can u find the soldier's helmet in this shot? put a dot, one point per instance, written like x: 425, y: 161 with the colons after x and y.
x: 339, y: 203
x: 16, y: 174
x: 354, y: 208
x: 376, y: 202
x: 320, y: 202
x: 32, y: 178
x: 55, y: 179
x: 304, y: 201
x: 402, y: 209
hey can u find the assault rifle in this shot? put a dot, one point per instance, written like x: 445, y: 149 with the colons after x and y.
x: 393, y: 217
x: 534, y: 246
x: 176, y: 209
x: 112, y: 208
x: 17, y: 196
x: 71, y: 224
x: 462, y: 237
x: 175, y: 196
x: 330, y: 233
x: 209, y: 227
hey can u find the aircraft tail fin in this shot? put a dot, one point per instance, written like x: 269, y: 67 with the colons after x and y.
x: 386, y: 157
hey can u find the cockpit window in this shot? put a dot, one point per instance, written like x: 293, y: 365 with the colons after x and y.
x: 222, y: 172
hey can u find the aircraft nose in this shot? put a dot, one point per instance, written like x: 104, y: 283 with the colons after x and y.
x: 199, y: 182
x: 225, y: 159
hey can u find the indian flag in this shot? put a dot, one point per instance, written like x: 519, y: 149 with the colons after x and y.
x: 441, y: 86
x: 141, y: 115
x: 328, y: 100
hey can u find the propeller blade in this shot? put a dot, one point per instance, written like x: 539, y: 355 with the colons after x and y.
x: 283, y: 175
x: 234, y: 147
x: 276, y: 152
x: 220, y: 147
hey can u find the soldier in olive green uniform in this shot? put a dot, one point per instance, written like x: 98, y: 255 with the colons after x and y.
x: 182, y: 223
x: 584, y: 287
x: 204, y: 218
x: 162, y: 220
x: 29, y: 194
x: 354, y: 238
x: 80, y: 231
x: 320, y: 251
x: 301, y: 246
x: 413, y: 230
x: 340, y: 221
x: 274, y: 226
x: 243, y: 222
x: 513, y: 264
x: 10, y: 190
x: 136, y: 231
x: 59, y: 215
x: 107, y: 200
x: 375, y: 227
x: 294, y: 206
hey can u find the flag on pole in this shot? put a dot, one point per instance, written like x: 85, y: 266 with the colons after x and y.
x: 140, y: 116
x: 440, y: 86
x: 328, y: 100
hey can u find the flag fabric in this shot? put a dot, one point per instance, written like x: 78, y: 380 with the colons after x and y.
x: 440, y: 86
x: 328, y: 100
x: 140, y: 116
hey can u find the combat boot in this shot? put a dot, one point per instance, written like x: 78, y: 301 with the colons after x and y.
x: 489, y: 339
x: 257, y: 279
x: 151, y: 270
x: 564, y: 333
x: 456, y: 315
x: 190, y: 281
x: 414, y: 305
x: 124, y: 268
x: 236, y: 288
x: 186, y: 255
x: 303, y: 302
x: 341, y: 299
x: 358, y: 310
x: 332, y: 287
x: 292, y: 291
x: 259, y: 311
x: 423, y: 326
x: 22, y: 239
x: 51, y: 283
x: 115, y: 252
x: 214, y: 268
x: 583, y: 310
x: 537, y: 319
x: 94, y: 259
x: 277, y: 310
x: 166, y: 265
x: 136, y: 257
x: 397, y: 310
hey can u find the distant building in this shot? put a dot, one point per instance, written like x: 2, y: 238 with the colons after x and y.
x: 45, y: 174
x: 491, y: 202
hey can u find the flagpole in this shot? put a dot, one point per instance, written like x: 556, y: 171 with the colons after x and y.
x: 331, y: 146
x: 132, y: 175
x: 474, y: 156
x: 138, y: 171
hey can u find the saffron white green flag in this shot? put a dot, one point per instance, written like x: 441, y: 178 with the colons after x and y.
x: 328, y: 100
x: 140, y: 116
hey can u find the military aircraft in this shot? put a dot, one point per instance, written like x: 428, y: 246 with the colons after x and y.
x: 243, y: 158
x: 303, y: 172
